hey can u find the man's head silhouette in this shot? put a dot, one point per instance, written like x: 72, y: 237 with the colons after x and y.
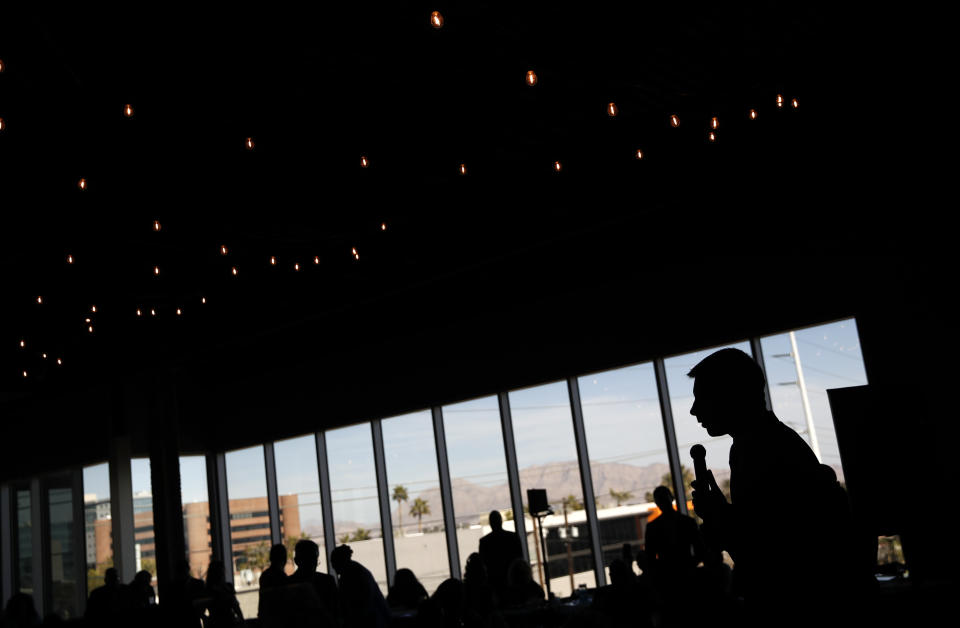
x: 306, y: 555
x: 664, y: 498
x: 728, y: 391
x: 278, y: 555
x: 496, y: 521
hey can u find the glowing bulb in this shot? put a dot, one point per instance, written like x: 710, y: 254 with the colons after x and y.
x: 355, y: 254
x: 40, y: 300
x: 203, y: 300
x: 436, y: 20
x: 233, y: 271
x: 753, y: 114
x: 24, y: 373
x: 82, y: 184
x: 674, y: 120
x: 712, y: 136
x: 612, y: 110
x: 316, y: 259
x: 23, y: 343
x: 2, y: 124
x: 2, y: 67
x: 794, y: 103
x: 714, y: 124
x: 639, y: 154
x: 223, y: 250
x: 128, y: 110
x: 43, y: 355
x: 463, y: 168
x: 156, y: 225
x: 383, y: 226
x: 90, y: 329
x: 59, y: 362
x: 363, y: 161
x: 153, y: 312
x: 69, y: 259
x: 531, y: 78
x: 249, y: 143
x: 557, y: 166
x: 779, y: 101
x: 273, y: 260
x: 139, y: 313
x: 296, y: 266
x: 179, y: 312
x: 86, y: 320
x: 156, y: 270
x: 93, y: 308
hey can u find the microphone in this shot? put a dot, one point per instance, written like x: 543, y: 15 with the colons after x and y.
x: 699, y: 454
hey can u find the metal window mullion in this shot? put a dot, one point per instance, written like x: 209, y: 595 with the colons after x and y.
x: 121, y: 508
x: 757, y: 350
x: 326, y: 499
x: 40, y: 543
x: 383, y: 492
x: 513, y: 474
x: 669, y: 431
x: 220, y: 511
x: 273, y: 499
x: 79, y: 538
x: 446, y: 493
x: 586, y: 479
x: 6, y: 541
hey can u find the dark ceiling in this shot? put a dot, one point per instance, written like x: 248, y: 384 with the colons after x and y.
x: 512, y: 254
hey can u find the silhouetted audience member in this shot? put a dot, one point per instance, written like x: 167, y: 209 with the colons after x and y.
x: 180, y: 603
x: 618, y: 601
x: 141, y: 592
x: 20, y: 612
x: 407, y: 592
x: 521, y: 590
x: 444, y: 609
x: 272, y: 577
x: 674, y: 547
x: 222, y: 606
x: 361, y: 603
x: 779, y: 500
x: 321, y: 586
x: 104, y: 603
x: 479, y: 599
x: 498, y: 549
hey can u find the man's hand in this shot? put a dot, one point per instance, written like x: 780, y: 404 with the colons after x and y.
x: 708, y: 500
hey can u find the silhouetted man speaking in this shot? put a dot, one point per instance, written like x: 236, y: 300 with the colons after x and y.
x: 791, y: 559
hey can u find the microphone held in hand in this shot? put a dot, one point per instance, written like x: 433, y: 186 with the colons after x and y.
x: 699, y: 455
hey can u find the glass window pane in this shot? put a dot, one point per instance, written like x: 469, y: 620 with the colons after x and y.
x: 414, y: 485
x: 298, y: 488
x: 196, y: 513
x: 829, y: 357
x: 547, y: 459
x: 478, y: 469
x: 249, y: 524
x: 145, y: 550
x: 689, y: 431
x: 353, y: 487
x: 98, y: 526
x: 628, y: 452
x: 24, y: 543
x: 64, y: 569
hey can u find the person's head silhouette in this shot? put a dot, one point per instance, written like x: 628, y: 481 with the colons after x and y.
x: 278, y: 555
x: 496, y: 521
x: 306, y: 555
x: 728, y: 392
x: 664, y: 498
x: 340, y: 557
x: 111, y: 578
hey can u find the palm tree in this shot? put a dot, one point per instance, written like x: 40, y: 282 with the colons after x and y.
x: 571, y: 503
x: 620, y: 496
x: 362, y: 534
x: 418, y: 510
x: 667, y: 480
x: 399, y: 496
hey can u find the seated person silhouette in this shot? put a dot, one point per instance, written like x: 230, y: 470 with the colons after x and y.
x: 103, y: 606
x: 20, y: 612
x: 498, y: 549
x: 674, y: 547
x: 617, y: 602
x: 521, y: 590
x: 406, y: 593
x: 478, y: 595
x: 220, y: 598
x: 361, y: 602
x: 306, y: 556
x: 779, y: 499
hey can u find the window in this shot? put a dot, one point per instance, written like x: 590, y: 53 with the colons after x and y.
x: 144, y: 545
x: 24, y: 542
x: 247, y: 493
x: 64, y: 569
x: 196, y: 513
x: 547, y: 459
x: 628, y: 452
x: 414, y: 486
x: 356, y: 506
x: 478, y: 469
x: 298, y: 489
x: 98, y: 528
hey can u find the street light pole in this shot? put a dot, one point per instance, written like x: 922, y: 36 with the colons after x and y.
x: 811, y: 430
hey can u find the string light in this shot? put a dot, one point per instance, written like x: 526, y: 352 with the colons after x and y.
x: 363, y: 161
x: 249, y: 143
x: 794, y: 103
x: 355, y: 254
x: 82, y: 184
x: 714, y: 123
x: 612, y: 110
x: 39, y: 300
x: 3, y: 124
x: 156, y: 225
x: 779, y: 101
x: 273, y: 260
x: 69, y: 258
x: 316, y: 259
x: 223, y: 249
x: 463, y: 168
x: 639, y: 154
x: 43, y: 355
x: 86, y: 320
x: 296, y: 266
x: 674, y: 120
x: 233, y: 271
x: 128, y: 110
x: 383, y: 226
x: 2, y: 66
x: 93, y: 308
x: 156, y: 271
x: 712, y: 136
x: 753, y: 114
x: 23, y: 344
x: 531, y: 78
x: 436, y: 20
x: 203, y: 300
x: 557, y: 166
x: 139, y: 313
x: 90, y: 329
x: 59, y: 362
x: 153, y: 312
x: 179, y: 312
x: 24, y: 373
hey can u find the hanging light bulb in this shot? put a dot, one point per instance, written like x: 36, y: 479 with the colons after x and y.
x: 794, y: 103
x: 179, y: 312
x: 93, y: 308
x: 86, y: 320
x: 463, y: 168
x: 203, y: 300
x: 557, y: 166
x: 69, y: 258
x: 674, y: 120
x: 23, y: 344
x: 779, y: 101
x: 355, y: 254
x: 383, y: 226
x: 24, y: 373
x: 273, y: 260
x: 249, y: 143
x: 531, y: 78
x: 612, y: 110
x: 156, y: 225
x: 156, y: 271
x: 128, y: 110
x: 639, y: 154
x: 316, y: 259
x: 3, y: 124
x: 233, y: 271
x: 139, y: 313
x: 39, y: 300
x: 223, y: 249
x: 712, y: 136
x: 90, y: 329
x: 43, y: 355
x: 296, y: 266
x: 753, y: 114
x: 363, y: 161
x: 82, y: 184
x: 153, y: 312
x: 59, y: 362
x: 436, y: 20
x: 2, y: 66
x: 714, y: 123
